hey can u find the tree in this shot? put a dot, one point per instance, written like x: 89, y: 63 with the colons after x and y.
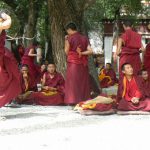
x: 61, y: 13
x: 27, y: 12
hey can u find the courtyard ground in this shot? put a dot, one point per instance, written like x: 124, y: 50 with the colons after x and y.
x: 60, y: 128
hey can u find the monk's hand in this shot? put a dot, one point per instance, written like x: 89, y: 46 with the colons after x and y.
x: 66, y: 37
x: 118, y: 53
x: 25, y: 75
x: 135, y: 100
x: 79, y: 52
x: 39, y: 55
x: 115, y: 57
x: 52, y: 89
x: 46, y: 88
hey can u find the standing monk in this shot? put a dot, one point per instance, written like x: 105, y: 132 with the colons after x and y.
x: 147, y: 58
x: 129, y: 47
x: 131, y: 96
x: 9, y: 73
x: 77, y: 49
x: 29, y: 59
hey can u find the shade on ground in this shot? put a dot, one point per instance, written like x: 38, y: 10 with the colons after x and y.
x: 60, y: 128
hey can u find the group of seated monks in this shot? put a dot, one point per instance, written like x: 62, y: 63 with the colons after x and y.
x: 49, y: 91
x: 133, y: 96
x: 133, y: 92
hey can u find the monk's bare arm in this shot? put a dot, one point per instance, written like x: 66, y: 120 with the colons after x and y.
x: 142, y: 49
x: 119, y: 46
x: 5, y: 21
x: 89, y: 51
x: 31, y: 53
x: 67, y: 46
x: 43, y: 80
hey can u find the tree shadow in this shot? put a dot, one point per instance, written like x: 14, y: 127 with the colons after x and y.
x: 30, y: 115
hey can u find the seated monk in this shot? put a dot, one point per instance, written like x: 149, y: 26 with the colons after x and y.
x: 27, y: 85
x: 52, y: 88
x: 145, y: 83
x: 101, y: 105
x: 107, y: 77
x: 130, y: 93
x: 41, y: 73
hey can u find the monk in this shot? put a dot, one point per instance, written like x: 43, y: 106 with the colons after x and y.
x: 9, y: 72
x: 29, y: 59
x: 52, y: 88
x: 77, y: 49
x: 27, y: 85
x: 145, y: 83
x: 147, y: 58
x: 41, y: 73
x: 129, y: 48
x: 20, y: 51
x: 130, y: 93
x: 107, y: 77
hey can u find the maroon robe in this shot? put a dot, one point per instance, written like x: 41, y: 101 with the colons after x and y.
x: 40, y: 76
x: 20, y: 51
x: 105, y: 82
x: 9, y: 74
x: 145, y: 84
x: 34, y: 69
x: 147, y: 58
x: 31, y: 87
x: 56, y: 99
x: 129, y: 89
x: 130, y: 51
x: 77, y: 86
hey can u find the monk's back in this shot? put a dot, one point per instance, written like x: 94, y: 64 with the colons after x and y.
x: 132, y: 39
x: 78, y: 40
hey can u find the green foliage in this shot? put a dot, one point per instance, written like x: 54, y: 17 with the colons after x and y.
x: 111, y: 9
x: 43, y: 24
x: 93, y: 16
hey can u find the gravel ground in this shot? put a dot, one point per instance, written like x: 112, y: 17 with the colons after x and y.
x: 60, y: 128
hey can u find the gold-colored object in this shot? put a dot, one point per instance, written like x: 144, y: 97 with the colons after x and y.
x: 91, y: 104
x: 49, y: 93
x: 102, y: 76
x: 148, y: 26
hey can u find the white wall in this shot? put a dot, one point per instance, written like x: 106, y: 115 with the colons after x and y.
x: 108, y: 49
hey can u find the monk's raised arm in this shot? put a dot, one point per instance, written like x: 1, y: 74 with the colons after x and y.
x: 119, y: 46
x: 31, y: 53
x: 67, y: 45
x: 43, y: 80
x: 5, y: 21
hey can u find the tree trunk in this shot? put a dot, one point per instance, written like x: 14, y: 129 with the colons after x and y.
x: 61, y: 13
x: 30, y: 28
